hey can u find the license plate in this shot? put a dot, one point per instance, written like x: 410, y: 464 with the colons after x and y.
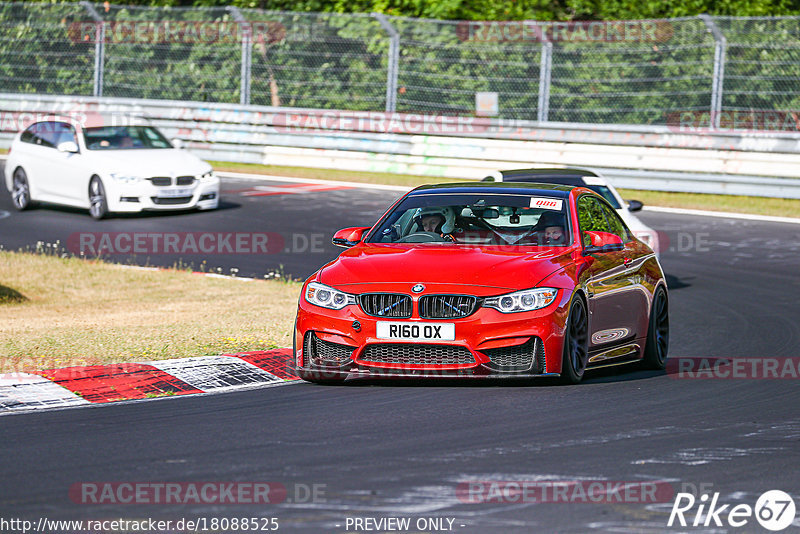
x: 170, y: 193
x: 416, y: 331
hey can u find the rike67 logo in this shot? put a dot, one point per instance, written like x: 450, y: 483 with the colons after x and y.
x: 774, y: 510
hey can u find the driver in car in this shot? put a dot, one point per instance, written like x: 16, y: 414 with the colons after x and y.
x: 436, y: 220
x: 553, y: 229
x: 554, y: 235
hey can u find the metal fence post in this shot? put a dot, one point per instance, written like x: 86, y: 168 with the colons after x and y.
x: 394, y: 61
x: 247, y: 55
x: 720, y: 44
x: 545, y: 71
x: 99, y: 47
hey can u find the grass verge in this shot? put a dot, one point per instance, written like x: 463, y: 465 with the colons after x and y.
x: 779, y: 207
x: 60, y: 312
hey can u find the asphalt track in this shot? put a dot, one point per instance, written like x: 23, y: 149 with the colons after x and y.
x: 401, y: 450
x: 302, y: 219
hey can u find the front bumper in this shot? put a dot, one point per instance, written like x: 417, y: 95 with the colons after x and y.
x: 144, y: 196
x: 481, y: 340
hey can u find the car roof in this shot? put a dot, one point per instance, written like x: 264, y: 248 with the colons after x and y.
x: 568, y: 176
x: 513, y: 188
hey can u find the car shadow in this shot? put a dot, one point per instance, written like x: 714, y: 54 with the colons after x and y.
x: 674, y: 283
x: 11, y: 296
x: 622, y: 373
x: 223, y: 206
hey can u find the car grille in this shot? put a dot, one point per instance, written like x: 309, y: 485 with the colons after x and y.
x: 167, y: 201
x: 386, y: 304
x: 416, y: 354
x: 446, y: 306
x: 161, y: 181
x: 184, y: 180
x: 325, y: 352
x: 526, y: 357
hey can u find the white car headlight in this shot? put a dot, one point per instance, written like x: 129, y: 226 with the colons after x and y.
x: 328, y: 297
x: 645, y: 237
x: 521, y: 301
x: 207, y: 176
x: 125, y: 178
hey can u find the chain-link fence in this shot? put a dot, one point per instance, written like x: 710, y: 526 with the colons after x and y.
x: 633, y: 72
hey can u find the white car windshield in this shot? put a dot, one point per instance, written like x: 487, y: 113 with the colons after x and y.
x: 124, y: 138
x: 477, y: 219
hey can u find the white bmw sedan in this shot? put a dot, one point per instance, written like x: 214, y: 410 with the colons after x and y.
x: 592, y: 180
x: 105, y: 169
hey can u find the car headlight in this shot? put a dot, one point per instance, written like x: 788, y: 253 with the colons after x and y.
x: 645, y: 237
x: 521, y: 301
x: 649, y: 238
x: 207, y: 176
x: 328, y: 297
x: 125, y: 178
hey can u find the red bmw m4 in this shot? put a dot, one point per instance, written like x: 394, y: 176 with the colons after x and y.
x: 485, y: 280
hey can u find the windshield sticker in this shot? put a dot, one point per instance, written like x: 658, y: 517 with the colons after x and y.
x: 546, y: 203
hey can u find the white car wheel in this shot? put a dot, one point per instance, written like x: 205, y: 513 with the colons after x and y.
x: 20, y: 190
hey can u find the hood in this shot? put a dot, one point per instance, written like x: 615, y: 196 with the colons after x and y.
x: 488, y: 270
x: 150, y: 162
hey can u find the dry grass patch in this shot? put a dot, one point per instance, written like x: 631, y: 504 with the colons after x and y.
x: 68, y: 311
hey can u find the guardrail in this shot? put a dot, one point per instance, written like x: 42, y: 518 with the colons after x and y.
x: 635, y: 157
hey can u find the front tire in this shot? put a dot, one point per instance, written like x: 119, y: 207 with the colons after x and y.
x: 655, y: 351
x: 20, y: 190
x: 98, y: 205
x: 576, y: 343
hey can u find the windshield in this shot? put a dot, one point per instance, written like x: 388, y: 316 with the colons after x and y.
x: 124, y: 138
x: 476, y: 219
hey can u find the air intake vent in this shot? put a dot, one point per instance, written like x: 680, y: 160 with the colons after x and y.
x: 528, y: 357
x: 416, y: 354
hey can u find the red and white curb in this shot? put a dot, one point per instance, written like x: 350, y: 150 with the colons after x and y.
x: 98, y: 384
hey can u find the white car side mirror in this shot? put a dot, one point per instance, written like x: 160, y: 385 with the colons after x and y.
x: 177, y: 143
x: 68, y: 146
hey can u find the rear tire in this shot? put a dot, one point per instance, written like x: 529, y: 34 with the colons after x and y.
x: 655, y: 351
x: 576, y: 343
x: 98, y: 205
x: 20, y: 190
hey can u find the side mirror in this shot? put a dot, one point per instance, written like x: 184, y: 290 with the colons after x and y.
x: 67, y: 146
x: 602, y: 242
x: 177, y: 143
x: 634, y: 205
x: 349, y: 237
